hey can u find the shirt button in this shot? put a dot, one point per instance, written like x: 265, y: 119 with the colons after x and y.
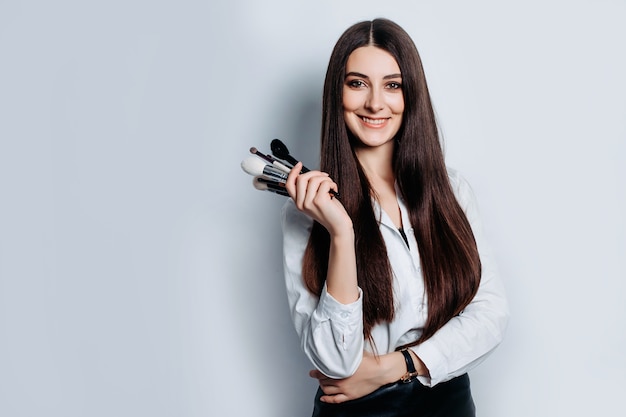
x: 344, y: 315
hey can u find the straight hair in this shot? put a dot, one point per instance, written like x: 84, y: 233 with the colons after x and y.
x: 449, y: 257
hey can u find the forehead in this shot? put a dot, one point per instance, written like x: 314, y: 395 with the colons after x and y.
x: 372, y: 61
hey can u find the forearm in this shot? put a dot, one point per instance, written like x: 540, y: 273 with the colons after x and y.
x: 341, y: 278
x: 373, y: 373
x: 393, y: 366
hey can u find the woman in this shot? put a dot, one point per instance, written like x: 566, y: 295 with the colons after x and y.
x: 398, y: 261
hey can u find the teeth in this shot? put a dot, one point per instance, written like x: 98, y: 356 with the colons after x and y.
x: 374, y: 121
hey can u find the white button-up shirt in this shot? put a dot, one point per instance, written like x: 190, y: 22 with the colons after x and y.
x: 331, y: 333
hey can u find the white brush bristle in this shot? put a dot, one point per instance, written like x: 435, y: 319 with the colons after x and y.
x: 253, y: 165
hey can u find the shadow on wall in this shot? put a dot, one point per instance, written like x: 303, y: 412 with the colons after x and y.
x: 282, y: 364
x: 301, y: 128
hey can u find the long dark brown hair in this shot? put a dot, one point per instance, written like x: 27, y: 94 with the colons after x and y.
x: 449, y: 257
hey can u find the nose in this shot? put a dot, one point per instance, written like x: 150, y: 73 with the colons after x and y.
x: 375, y: 100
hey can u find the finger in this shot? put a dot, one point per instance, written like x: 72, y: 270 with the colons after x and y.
x: 322, y: 184
x: 334, y: 399
x: 322, y: 379
x: 316, y: 189
x: 304, y: 188
x: 314, y: 373
x: 326, y: 187
x: 331, y: 387
x: 290, y: 184
x: 307, y: 186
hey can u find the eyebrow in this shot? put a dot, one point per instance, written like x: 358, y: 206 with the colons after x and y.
x: 358, y: 74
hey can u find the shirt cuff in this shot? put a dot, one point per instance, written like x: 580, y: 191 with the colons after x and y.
x: 434, y: 361
x: 339, y: 312
x: 336, y: 340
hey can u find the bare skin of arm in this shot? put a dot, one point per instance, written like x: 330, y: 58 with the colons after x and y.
x: 373, y: 373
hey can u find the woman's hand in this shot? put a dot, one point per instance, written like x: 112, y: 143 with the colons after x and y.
x: 371, y: 375
x: 311, y: 193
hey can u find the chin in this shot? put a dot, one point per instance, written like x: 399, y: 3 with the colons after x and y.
x: 374, y: 141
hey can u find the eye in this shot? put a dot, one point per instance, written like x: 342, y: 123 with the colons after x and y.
x: 356, y: 84
x: 394, y: 85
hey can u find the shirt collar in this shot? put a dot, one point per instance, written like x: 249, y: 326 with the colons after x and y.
x: 384, y: 219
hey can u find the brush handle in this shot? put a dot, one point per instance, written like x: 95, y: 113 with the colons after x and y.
x: 274, y: 173
x: 281, y: 166
x: 279, y: 191
x: 271, y: 182
x: 278, y: 147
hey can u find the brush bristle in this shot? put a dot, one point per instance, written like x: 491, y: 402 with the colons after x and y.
x: 258, y: 184
x: 279, y: 148
x: 253, y: 165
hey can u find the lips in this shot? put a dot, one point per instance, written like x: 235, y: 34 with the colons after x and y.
x: 374, y: 122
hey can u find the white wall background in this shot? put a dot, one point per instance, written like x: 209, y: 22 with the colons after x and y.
x: 140, y: 272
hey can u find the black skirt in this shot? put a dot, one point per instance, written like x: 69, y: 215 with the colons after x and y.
x: 448, y: 399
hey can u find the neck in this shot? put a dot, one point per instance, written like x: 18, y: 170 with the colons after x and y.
x: 377, y: 163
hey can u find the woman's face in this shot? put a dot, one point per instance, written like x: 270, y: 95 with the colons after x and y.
x: 373, y: 102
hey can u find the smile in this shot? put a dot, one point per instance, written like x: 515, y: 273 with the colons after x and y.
x: 376, y: 122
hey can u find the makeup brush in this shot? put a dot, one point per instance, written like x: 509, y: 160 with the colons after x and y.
x: 273, y: 183
x: 271, y: 160
x: 279, y: 149
x: 256, y: 167
x: 259, y: 184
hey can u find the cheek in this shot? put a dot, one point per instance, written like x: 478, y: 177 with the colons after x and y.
x: 350, y: 101
x: 397, y: 106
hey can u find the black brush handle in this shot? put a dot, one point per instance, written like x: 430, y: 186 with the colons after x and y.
x: 280, y: 150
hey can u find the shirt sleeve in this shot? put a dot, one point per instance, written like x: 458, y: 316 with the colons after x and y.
x: 467, y: 339
x: 331, y: 333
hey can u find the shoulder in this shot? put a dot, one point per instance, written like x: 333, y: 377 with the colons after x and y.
x: 461, y: 189
x: 459, y: 184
